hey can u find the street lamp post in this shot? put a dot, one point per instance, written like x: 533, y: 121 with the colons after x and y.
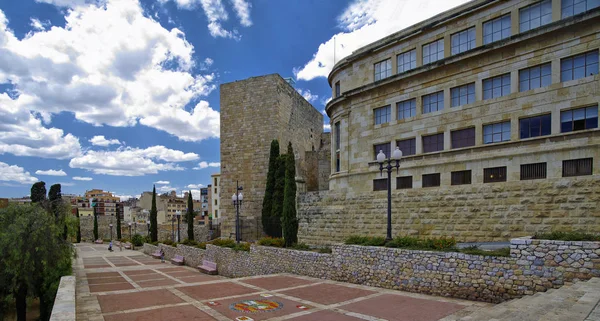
x: 178, y: 213
x: 237, y: 199
x: 110, y: 226
x: 129, y: 230
x: 148, y: 222
x: 381, y: 159
x: 134, y: 227
x: 173, y: 229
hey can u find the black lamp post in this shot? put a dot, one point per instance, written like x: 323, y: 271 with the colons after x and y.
x: 237, y: 199
x: 173, y: 229
x: 110, y: 226
x: 381, y: 159
x: 148, y: 222
x: 134, y: 227
x: 178, y: 213
x: 129, y: 230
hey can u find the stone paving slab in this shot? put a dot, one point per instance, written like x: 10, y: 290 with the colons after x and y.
x: 102, y: 275
x: 266, y: 308
x: 106, y: 280
x: 196, y: 279
x: 278, y: 282
x: 180, y: 313
x: 137, y: 300
x: 139, y: 272
x: 144, y: 277
x: 215, y: 290
x: 325, y: 315
x: 155, y: 283
x: 110, y: 287
x: 328, y: 293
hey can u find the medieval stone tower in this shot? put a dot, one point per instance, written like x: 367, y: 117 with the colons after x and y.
x: 255, y: 111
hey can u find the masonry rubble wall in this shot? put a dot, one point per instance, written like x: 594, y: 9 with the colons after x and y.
x: 533, y: 266
x: 470, y: 213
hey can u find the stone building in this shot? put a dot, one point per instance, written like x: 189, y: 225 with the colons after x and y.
x: 255, y: 111
x: 106, y: 203
x: 215, y: 200
x: 494, y: 105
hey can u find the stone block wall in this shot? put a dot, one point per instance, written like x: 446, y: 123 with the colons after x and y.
x: 488, y: 212
x: 201, y: 232
x: 534, y: 266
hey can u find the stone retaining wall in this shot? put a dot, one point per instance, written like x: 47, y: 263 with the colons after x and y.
x: 64, y: 303
x: 534, y: 266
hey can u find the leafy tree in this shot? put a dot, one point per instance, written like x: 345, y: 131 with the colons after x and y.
x: 34, y: 257
x: 38, y: 192
x: 78, y: 226
x: 267, y: 206
x: 55, y: 204
x: 277, y: 207
x: 189, y: 216
x: 289, y: 220
x: 153, y: 217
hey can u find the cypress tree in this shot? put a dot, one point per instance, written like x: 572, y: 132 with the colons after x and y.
x: 118, y: 226
x: 277, y: 207
x: 78, y: 226
x: 55, y: 200
x: 289, y: 220
x: 267, y: 206
x: 190, y: 217
x: 95, y: 223
x: 38, y: 192
x: 153, y: 218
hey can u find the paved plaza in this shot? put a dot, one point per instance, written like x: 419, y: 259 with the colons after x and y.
x: 129, y: 286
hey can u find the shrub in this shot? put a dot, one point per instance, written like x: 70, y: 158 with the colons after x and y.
x: 168, y: 242
x: 300, y: 247
x: 106, y: 240
x: 242, y: 247
x: 404, y: 242
x: 324, y: 250
x: 567, y: 236
x: 224, y: 243
x: 272, y: 241
x: 189, y: 242
x: 137, y: 240
x: 366, y: 240
x: 201, y: 245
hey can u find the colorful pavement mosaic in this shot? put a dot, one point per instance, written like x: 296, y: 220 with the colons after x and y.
x: 127, y: 285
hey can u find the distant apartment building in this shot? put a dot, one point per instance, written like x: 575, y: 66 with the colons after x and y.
x: 215, y: 202
x: 106, y: 203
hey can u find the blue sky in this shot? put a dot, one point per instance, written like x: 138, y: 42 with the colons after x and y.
x: 122, y: 94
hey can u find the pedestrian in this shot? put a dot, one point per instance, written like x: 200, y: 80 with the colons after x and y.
x: 121, y: 246
x: 110, y: 246
x: 162, y: 256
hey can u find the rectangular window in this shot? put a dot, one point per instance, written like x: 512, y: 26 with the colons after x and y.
x: 407, y: 61
x: 380, y: 184
x: 462, y: 95
x: 385, y: 148
x: 535, y: 15
x: 433, y: 143
x: 496, y: 29
x: 535, y: 77
x: 462, y: 41
x: 574, y: 7
x: 494, y: 174
x: 407, y: 146
x: 535, y: 126
x: 496, y: 86
x: 579, y: 119
x: 433, y: 51
x: 496, y: 133
x: 216, y: 213
x: 577, y: 167
x: 383, y: 69
x: 580, y: 66
x: 431, y: 180
x: 382, y: 114
x: 337, y: 146
x: 433, y: 102
x: 407, y: 108
x: 337, y: 89
x: 461, y: 178
x: 404, y: 182
x: 533, y: 171
x: 463, y: 138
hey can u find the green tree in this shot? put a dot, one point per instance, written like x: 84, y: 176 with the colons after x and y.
x: 189, y: 216
x: 55, y: 204
x: 38, y: 192
x: 153, y: 218
x: 78, y: 226
x: 278, y: 190
x: 267, y: 206
x: 119, y: 224
x: 34, y: 257
x: 289, y: 220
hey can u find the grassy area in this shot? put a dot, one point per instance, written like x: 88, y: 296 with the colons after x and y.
x: 567, y: 236
x: 443, y: 244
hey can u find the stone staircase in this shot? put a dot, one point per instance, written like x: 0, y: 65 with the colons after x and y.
x: 574, y: 302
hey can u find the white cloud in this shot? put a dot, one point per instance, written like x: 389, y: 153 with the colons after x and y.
x: 79, y: 178
x: 51, y: 172
x: 365, y: 21
x: 162, y: 182
x: 128, y: 161
x: 194, y: 186
x: 242, y: 10
x: 206, y: 64
x: 101, y: 141
x: 22, y: 133
x: 67, y: 3
x: 123, y: 197
x: 327, y: 127
x: 111, y: 64
x: 66, y: 184
x: 215, y: 13
x: 325, y: 101
x: 310, y: 97
x: 165, y: 188
x: 14, y: 173
x: 36, y: 24
x: 203, y: 165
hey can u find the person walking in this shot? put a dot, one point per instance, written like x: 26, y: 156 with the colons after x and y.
x: 110, y: 246
x: 162, y: 256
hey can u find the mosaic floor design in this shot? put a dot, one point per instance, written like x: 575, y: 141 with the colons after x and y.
x: 128, y: 285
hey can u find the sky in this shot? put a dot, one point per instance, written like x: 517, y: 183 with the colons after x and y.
x: 122, y: 95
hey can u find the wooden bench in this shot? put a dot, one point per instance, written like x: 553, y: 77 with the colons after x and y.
x: 177, y: 260
x: 156, y: 254
x: 208, y: 267
x: 99, y: 242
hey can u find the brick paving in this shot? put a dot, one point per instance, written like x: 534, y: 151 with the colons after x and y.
x: 127, y: 285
